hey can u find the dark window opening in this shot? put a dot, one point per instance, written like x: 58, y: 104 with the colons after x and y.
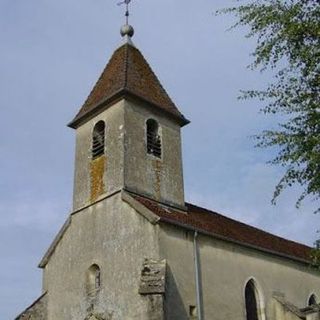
x: 98, y: 140
x: 193, y: 311
x: 312, y: 300
x: 251, y: 301
x: 153, y: 138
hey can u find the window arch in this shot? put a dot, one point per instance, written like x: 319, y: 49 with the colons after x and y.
x: 93, y: 281
x: 312, y: 300
x: 98, y: 139
x: 153, y: 138
x: 253, y: 302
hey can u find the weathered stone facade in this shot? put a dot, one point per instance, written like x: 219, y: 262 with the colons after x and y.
x: 143, y: 264
x: 111, y: 235
x: 285, y: 310
x: 225, y: 270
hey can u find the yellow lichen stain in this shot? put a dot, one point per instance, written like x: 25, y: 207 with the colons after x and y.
x: 97, y: 170
x: 157, y: 167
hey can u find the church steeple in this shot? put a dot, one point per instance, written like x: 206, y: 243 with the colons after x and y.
x: 139, y: 147
x: 127, y: 74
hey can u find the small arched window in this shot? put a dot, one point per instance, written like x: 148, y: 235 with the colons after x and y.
x: 93, y: 281
x: 252, y: 301
x: 98, y: 139
x: 312, y: 300
x: 153, y: 138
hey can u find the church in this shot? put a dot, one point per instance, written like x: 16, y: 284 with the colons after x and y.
x: 133, y: 249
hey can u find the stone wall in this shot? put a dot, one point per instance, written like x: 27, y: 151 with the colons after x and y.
x: 225, y: 268
x: 158, y: 178
x: 115, y: 237
x: 284, y: 310
x: 94, y: 178
x: 126, y: 163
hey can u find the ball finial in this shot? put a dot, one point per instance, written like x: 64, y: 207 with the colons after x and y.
x: 127, y: 30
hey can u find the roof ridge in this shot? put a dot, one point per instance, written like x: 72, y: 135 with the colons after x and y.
x: 218, y: 225
x: 126, y: 66
x: 209, y: 211
x: 157, y: 78
x: 99, y: 79
x: 128, y: 71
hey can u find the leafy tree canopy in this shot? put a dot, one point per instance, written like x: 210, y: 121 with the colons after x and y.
x: 288, y: 42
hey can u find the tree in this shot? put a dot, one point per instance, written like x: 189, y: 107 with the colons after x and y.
x: 288, y: 42
x: 315, y: 255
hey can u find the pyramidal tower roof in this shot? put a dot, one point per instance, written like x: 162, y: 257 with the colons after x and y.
x: 127, y: 74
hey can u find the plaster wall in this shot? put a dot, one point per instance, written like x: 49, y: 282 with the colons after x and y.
x: 112, y: 235
x: 161, y: 179
x: 283, y: 314
x: 225, y: 269
x: 126, y: 162
x: 313, y: 316
x: 111, y: 164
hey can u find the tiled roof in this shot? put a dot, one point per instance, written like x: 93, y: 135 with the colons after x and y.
x: 215, y: 224
x: 127, y: 73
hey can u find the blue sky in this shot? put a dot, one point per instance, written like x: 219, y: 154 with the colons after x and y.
x: 52, y: 52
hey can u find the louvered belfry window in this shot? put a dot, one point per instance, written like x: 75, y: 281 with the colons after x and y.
x: 98, y: 140
x: 153, y: 138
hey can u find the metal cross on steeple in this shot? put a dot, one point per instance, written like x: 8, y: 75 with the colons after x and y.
x: 126, y: 2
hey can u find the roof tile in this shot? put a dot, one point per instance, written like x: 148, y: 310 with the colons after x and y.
x: 127, y: 73
x: 218, y: 225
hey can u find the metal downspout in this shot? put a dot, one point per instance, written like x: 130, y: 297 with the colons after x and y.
x: 198, y: 277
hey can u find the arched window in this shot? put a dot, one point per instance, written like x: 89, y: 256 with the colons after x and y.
x: 98, y: 139
x: 93, y: 281
x: 153, y: 138
x: 254, y: 307
x: 312, y: 300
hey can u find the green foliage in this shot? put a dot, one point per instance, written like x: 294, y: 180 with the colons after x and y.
x: 315, y: 255
x: 288, y: 42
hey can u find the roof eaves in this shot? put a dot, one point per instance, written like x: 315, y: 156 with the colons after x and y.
x: 66, y: 225
x: 117, y: 96
x: 54, y: 244
x: 179, y: 118
x: 97, y: 108
x: 244, y: 244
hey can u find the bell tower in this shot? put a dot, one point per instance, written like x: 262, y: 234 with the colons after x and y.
x: 128, y: 134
